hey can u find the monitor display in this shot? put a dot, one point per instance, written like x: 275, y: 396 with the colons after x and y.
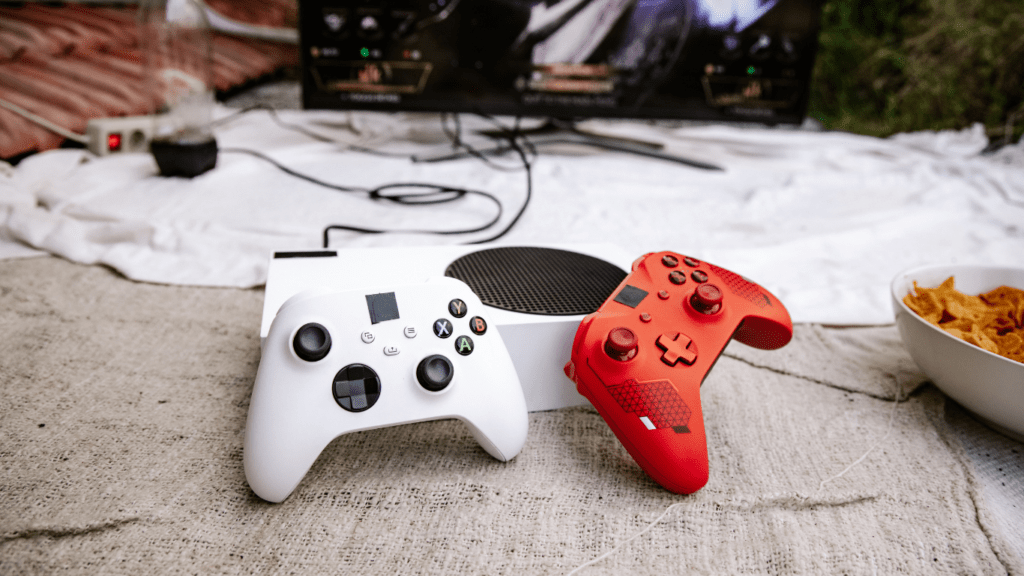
x: 744, y: 60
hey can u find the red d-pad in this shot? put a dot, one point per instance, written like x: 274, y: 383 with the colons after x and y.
x: 641, y: 357
x: 678, y: 347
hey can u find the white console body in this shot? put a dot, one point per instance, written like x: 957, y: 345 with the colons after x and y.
x: 538, y: 344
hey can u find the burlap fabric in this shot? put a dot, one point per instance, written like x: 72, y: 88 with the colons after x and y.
x: 123, y: 408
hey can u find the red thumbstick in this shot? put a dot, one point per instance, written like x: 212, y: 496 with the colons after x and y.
x: 621, y: 344
x: 707, y: 299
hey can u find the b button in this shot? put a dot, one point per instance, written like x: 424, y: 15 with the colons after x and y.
x: 478, y: 325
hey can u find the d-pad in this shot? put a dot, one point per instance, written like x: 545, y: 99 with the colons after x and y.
x: 678, y: 347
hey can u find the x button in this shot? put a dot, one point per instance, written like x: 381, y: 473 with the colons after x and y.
x: 442, y: 328
x: 678, y: 347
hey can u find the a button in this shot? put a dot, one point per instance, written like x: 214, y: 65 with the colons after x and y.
x: 678, y: 347
x: 457, y: 308
x: 670, y: 261
x: 367, y: 337
x: 645, y: 317
x: 312, y: 342
x: 707, y: 299
x: 442, y: 328
x: 621, y: 344
x: 699, y: 276
x: 435, y: 372
x: 464, y: 345
x: 663, y: 294
x: 356, y: 387
x: 478, y: 325
x: 691, y: 262
x: 410, y: 332
x: 391, y: 350
x: 677, y: 277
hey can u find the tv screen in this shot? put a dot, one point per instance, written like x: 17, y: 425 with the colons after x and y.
x: 742, y: 60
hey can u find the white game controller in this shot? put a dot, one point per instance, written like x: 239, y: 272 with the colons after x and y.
x: 340, y: 362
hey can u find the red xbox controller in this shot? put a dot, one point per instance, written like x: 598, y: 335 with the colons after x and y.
x: 641, y: 358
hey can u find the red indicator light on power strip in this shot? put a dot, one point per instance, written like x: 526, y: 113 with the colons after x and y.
x: 114, y: 141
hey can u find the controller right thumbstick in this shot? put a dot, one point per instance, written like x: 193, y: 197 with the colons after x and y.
x: 707, y: 299
x: 435, y: 372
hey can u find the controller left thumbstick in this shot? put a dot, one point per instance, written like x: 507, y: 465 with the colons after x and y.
x: 312, y: 342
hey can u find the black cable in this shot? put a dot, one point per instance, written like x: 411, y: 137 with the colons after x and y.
x: 513, y: 139
x: 291, y: 172
x: 434, y: 193
x: 512, y: 135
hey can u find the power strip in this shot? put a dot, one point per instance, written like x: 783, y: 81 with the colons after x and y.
x: 118, y: 135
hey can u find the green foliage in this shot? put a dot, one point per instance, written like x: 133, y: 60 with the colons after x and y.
x: 902, y: 65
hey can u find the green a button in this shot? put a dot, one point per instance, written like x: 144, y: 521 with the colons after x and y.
x: 464, y: 345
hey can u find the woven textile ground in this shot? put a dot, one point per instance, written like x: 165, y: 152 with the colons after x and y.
x: 123, y: 405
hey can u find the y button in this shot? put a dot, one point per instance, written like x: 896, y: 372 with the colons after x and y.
x: 457, y: 308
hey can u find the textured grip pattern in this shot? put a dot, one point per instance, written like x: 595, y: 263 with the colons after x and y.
x: 658, y: 400
x: 741, y: 287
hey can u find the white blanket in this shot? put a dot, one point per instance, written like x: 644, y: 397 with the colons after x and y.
x: 822, y: 219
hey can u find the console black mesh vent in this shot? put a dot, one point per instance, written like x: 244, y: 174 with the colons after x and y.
x: 542, y: 281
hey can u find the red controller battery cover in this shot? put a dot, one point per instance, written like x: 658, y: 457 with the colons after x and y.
x: 641, y: 357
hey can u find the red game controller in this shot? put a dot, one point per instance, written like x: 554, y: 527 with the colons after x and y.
x: 641, y: 358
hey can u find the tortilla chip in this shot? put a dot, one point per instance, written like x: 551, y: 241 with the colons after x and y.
x: 993, y: 321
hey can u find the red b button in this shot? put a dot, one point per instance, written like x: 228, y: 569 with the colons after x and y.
x: 478, y: 325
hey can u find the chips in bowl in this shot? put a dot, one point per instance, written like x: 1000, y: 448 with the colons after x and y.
x: 993, y: 321
x: 964, y: 336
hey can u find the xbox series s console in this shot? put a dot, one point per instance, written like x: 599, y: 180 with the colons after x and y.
x: 535, y: 296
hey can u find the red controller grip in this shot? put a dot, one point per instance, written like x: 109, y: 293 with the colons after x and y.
x: 641, y: 358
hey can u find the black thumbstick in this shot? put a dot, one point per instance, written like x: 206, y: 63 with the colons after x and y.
x: 312, y: 342
x: 435, y: 372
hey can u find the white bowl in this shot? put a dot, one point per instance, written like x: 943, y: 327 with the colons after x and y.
x: 987, y: 384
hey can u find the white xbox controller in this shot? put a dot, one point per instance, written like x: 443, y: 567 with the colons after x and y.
x: 341, y: 362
